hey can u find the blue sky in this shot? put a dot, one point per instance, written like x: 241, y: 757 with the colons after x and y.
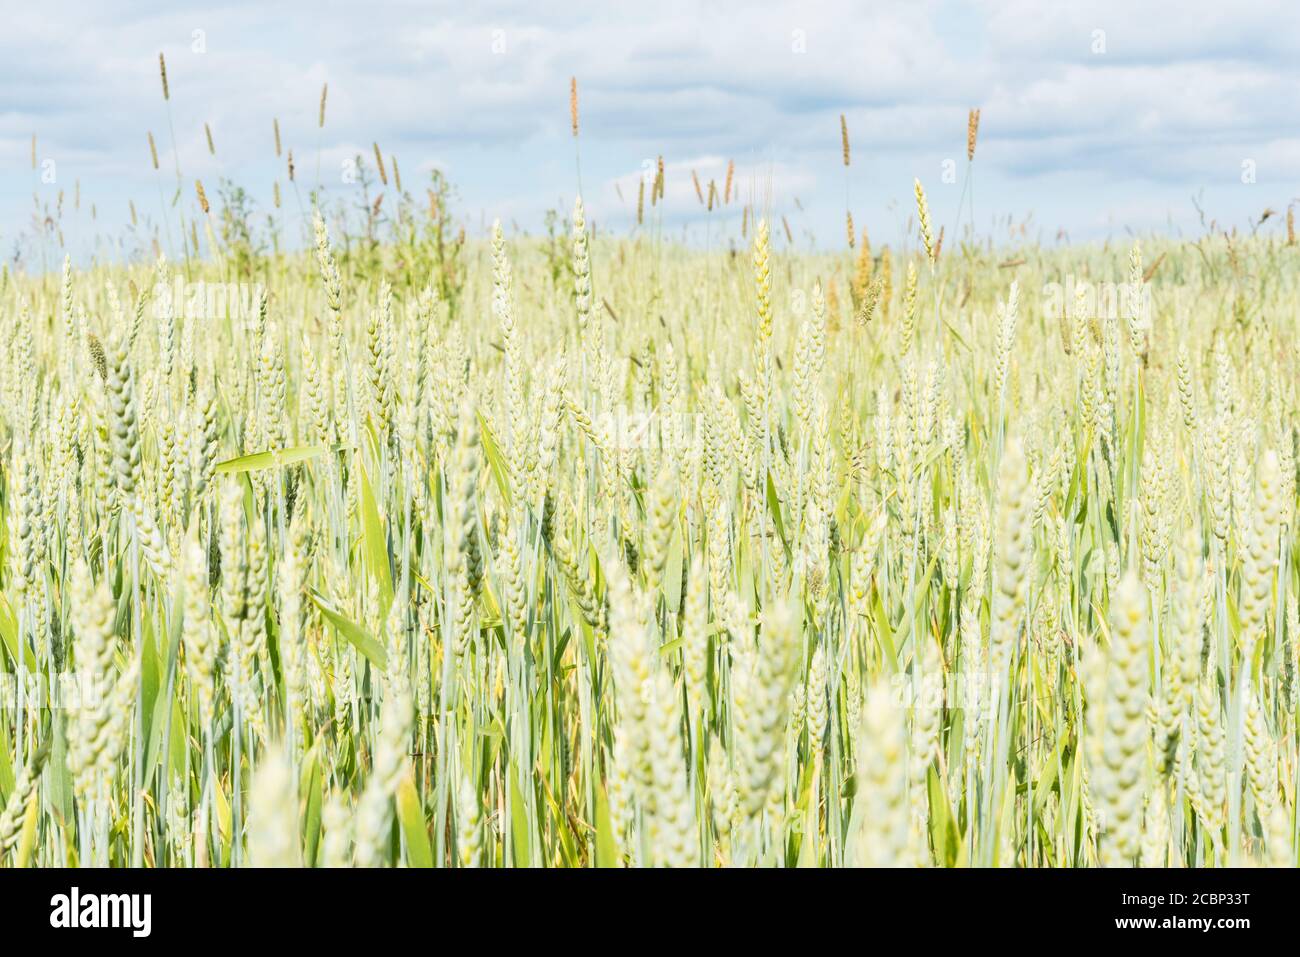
x: 1096, y: 119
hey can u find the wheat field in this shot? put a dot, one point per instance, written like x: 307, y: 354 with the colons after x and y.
x: 412, y: 549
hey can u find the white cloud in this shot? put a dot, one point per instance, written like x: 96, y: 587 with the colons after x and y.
x: 1183, y: 92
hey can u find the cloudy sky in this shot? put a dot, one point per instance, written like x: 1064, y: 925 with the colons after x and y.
x: 1096, y: 118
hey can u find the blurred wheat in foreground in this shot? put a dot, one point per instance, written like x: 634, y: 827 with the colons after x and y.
x: 621, y: 553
